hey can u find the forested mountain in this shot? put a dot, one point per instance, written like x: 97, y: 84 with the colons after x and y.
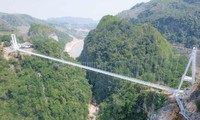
x: 46, y: 31
x: 178, y: 20
x: 19, y: 19
x: 135, y: 51
x: 27, y: 28
x: 4, y: 26
x: 61, y: 27
x: 36, y: 88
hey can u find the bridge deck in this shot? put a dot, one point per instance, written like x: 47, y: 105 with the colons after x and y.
x: 104, y: 72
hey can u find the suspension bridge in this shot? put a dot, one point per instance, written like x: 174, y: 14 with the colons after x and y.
x: 176, y: 92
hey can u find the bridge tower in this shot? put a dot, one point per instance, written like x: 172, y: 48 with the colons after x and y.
x: 14, y: 42
x: 192, y: 63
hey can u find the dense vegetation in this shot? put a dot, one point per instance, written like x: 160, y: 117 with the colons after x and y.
x: 178, y: 20
x: 43, y: 31
x: 198, y: 105
x: 4, y: 26
x: 16, y: 20
x: 144, y: 53
x: 5, y: 39
x: 39, y: 30
x: 35, y: 88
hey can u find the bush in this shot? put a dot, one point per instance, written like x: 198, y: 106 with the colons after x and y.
x: 198, y: 105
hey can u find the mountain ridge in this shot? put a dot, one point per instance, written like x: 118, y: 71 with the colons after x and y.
x: 36, y: 88
x: 177, y: 20
x: 72, y: 20
x: 19, y: 19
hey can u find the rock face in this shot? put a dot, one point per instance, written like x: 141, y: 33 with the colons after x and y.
x: 195, y: 95
x: 191, y: 105
x: 171, y: 111
x: 168, y: 112
x: 54, y: 36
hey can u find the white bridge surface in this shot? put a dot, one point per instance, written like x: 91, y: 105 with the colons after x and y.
x: 103, y: 72
x: 177, y: 92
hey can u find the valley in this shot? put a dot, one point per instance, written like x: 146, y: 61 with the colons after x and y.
x: 151, y: 42
x: 74, y: 47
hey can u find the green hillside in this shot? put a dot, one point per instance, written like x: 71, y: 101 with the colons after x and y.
x: 19, y: 19
x: 135, y: 43
x: 45, y: 31
x: 177, y: 20
x: 18, y: 23
x: 35, y: 88
x: 40, y: 30
x: 5, y: 27
x: 135, y: 51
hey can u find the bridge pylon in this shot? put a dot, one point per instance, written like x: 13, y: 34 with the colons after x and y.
x: 192, y: 63
x: 14, y: 42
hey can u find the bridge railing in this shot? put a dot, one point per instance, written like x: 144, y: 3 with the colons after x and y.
x: 177, y: 62
x: 198, y: 64
x: 169, y: 72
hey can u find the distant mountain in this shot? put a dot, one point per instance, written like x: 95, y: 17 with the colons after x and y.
x: 5, y: 26
x: 178, y: 20
x: 30, y: 27
x: 78, y: 27
x: 46, y: 31
x: 72, y: 20
x: 19, y: 19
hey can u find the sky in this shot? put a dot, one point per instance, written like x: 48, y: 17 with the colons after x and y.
x: 44, y: 9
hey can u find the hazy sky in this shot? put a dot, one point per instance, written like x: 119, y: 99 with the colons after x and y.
x: 76, y: 8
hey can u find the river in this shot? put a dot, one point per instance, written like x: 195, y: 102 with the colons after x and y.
x: 75, y: 47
